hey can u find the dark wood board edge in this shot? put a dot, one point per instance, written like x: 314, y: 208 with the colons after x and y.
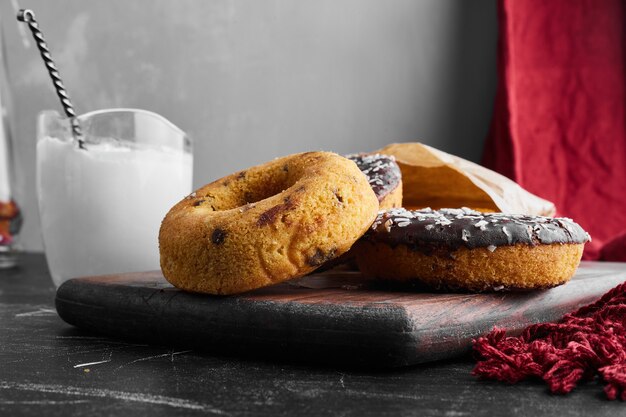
x: 437, y: 338
x: 378, y: 337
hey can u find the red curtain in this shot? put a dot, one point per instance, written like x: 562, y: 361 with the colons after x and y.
x: 559, y: 119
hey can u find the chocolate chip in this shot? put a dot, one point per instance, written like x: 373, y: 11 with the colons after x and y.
x: 320, y: 257
x: 269, y: 216
x: 198, y: 202
x: 339, y: 197
x: 241, y: 175
x: 218, y: 236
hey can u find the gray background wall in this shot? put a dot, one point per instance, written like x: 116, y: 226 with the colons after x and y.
x: 252, y: 80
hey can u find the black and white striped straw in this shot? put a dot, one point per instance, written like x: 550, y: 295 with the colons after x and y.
x: 28, y: 16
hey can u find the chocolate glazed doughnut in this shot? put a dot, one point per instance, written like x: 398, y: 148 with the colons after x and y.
x: 267, y: 224
x: 468, y: 250
x: 383, y: 175
x: 385, y: 178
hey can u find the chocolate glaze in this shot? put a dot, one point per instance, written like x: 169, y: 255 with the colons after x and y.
x: 382, y: 172
x: 431, y: 231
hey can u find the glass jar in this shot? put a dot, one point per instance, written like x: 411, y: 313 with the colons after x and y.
x: 10, y: 215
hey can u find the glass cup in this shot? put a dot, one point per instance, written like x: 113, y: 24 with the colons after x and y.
x: 10, y: 214
x: 101, y: 205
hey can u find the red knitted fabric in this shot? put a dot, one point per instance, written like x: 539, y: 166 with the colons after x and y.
x: 586, y: 343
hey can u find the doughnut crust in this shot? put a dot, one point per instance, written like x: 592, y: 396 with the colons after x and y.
x: 461, y: 249
x: 267, y: 224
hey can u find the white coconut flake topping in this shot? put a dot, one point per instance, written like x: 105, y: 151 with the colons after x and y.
x: 514, y: 227
x: 482, y: 225
x: 509, y: 238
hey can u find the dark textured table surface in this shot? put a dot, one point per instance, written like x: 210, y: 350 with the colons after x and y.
x: 49, y: 368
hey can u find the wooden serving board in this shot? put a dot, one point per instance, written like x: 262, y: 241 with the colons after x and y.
x: 329, y: 317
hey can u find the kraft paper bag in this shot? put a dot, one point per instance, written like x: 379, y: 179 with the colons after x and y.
x: 432, y: 178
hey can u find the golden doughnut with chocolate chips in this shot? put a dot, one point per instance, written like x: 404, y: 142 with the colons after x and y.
x: 267, y: 224
x: 468, y: 250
